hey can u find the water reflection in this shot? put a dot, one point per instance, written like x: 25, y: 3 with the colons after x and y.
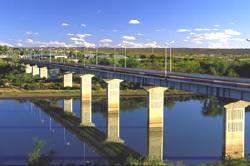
x: 112, y: 150
x: 68, y: 105
x: 86, y: 113
x: 114, y: 147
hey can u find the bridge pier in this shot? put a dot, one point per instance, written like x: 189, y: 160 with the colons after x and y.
x: 234, y: 129
x: 35, y: 70
x: 68, y: 105
x: 155, y: 121
x: 28, y: 68
x: 44, y: 72
x: 113, y: 121
x: 86, y: 100
x: 67, y: 79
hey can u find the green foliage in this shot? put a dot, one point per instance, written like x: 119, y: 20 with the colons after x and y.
x: 34, y: 156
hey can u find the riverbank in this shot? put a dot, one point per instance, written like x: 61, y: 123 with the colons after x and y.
x: 7, y: 93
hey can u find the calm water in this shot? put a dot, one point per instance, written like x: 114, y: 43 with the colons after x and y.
x: 192, y: 133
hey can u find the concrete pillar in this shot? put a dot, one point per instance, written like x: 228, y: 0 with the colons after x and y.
x: 155, y: 121
x: 28, y: 68
x: 113, y: 121
x: 86, y: 86
x: 67, y: 80
x: 86, y: 100
x: 234, y: 129
x: 68, y: 105
x: 44, y: 72
x: 35, y: 70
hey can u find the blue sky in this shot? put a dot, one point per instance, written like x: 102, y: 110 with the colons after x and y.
x: 130, y: 23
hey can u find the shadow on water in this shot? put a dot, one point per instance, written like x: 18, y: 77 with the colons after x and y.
x: 94, y: 138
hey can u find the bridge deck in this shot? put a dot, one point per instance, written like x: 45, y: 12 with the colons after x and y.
x: 228, y: 87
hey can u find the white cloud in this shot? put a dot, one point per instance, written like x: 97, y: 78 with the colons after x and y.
x: 74, y: 38
x: 202, y: 29
x: 232, y: 32
x: 49, y: 44
x: 83, y: 35
x: 183, y: 30
x: 19, y: 44
x: 221, y: 36
x: 70, y: 34
x: 216, y: 25
x: 139, y: 45
x: 129, y: 37
x: 106, y: 41
x: 185, y: 40
x: 32, y: 33
x: 5, y: 44
x: 83, y: 25
x: 30, y: 41
x: 104, y: 45
x: 192, y: 33
x: 65, y: 24
x: 188, y: 37
x: 198, y: 42
x: 87, y: 44
x: 134, y: 22
x: 237, y: 39
x: 139, y: 34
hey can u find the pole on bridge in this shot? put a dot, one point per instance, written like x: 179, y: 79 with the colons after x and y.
x: 84, y: 56
x: 125, y: 64
x: 50, y: 55
x: 166, y: 56
x: 114, y: 58
x: 96, y: 56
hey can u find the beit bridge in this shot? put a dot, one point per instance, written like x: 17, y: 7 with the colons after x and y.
x: 155, y: 83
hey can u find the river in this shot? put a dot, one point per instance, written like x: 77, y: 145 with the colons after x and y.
x: 192, y: 132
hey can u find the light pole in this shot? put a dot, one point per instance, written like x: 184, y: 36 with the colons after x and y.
x: 166, y: 56
x: 76, y: 53
x: 84, y: 56
x: 96, y: 56
x: 114, y: 58
x: 125, y: 64
x: 170, y: 54
x: 49, y: 55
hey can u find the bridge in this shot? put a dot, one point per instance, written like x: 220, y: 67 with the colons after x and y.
x: 155, y: 83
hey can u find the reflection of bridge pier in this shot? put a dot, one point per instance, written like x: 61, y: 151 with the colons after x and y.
x: 113, y: 152
x: 113, y: 119
x: 86, y: 100
x: 68, y: 105
x: 234, y: 129
x: 155, y: 121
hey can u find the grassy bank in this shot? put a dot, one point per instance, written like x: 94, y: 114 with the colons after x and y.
x: 21, y: 93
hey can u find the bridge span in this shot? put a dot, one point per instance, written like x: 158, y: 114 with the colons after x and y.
x: 226, y: 87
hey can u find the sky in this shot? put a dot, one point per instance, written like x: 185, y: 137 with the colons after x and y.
x: 125, y: 23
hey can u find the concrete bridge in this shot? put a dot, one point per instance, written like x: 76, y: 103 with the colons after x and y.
x: 226, y: 87
x: 155, y: 83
